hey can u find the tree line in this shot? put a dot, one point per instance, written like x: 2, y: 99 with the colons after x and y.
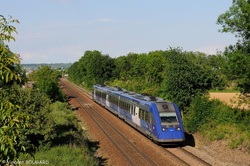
x: 173, y: 74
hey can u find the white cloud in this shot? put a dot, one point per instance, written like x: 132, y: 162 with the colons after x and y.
x: 211, y: 49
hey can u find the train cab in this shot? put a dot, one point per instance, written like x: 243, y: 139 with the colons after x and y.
x: 170, y: 128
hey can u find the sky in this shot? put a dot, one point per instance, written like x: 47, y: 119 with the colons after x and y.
x: 60, y: 31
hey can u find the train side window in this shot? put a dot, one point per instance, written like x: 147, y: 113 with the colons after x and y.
x: 140, y: 113
x: 152, y: 120
x: 104, y: 95
x: 113, y: 100
x: 147, y: 116
x: 132, y: 110
x: 98, y: 93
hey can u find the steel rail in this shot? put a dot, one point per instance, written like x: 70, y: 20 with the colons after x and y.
x: 116, y: 144
x: 194, y: 157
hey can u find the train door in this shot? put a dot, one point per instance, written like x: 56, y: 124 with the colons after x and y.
x: 107, y: 100
x: 135, y: 117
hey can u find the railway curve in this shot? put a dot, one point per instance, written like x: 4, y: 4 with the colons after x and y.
x: 129, y: 146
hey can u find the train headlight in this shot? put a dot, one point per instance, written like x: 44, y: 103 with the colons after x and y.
x: 178, y: 128
x: 164, y: 129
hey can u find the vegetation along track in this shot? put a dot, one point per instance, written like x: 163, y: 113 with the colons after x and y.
x: 132, y: 154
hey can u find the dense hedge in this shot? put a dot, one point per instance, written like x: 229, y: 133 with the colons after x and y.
x: 217, y: 121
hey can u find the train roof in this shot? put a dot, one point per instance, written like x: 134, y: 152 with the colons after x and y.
x: 125, y: 92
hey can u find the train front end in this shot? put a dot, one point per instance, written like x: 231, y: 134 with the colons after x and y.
x: 169, y: 126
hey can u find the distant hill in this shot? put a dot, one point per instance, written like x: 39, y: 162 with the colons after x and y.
x: 53, y: 65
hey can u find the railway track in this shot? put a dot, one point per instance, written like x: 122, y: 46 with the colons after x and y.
x: 187, y: 156
x: 115, y: 136
x: 132, y: 154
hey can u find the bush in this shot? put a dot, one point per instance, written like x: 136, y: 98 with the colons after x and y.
x: 46, y: 81
x: 64, y: 155
x: 217, y: 121
x: 198, y: 113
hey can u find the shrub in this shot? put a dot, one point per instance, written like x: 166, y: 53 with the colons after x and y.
x: 217, y: 121
x: 198, y: 113
x: 64, y: 155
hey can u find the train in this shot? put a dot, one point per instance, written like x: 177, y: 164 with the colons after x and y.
x: 156, y: 118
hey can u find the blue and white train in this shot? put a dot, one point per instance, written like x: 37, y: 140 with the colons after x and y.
x: 156, y: 118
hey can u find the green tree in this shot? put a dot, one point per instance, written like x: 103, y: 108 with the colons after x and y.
x: 7, y: 58
x: 155, y: 66
x: 8, y: 64
x: 92, y: 68
x: 74, y: 73
x: 186, y: 75
x: 47, y: 83
x: 6, y: 29
x: 239, y: 63
x: 11, y: 122
x: 11, y: 125
x: 237, y: 21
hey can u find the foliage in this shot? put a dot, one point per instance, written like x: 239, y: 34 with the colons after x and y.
x: 186, y: 75
x: 6, y: 29
x: 11, y: 125
x: 36, y: 106
x: 50, y: 123
x: 237, y: 20
x: 9, y: 67
x: 239, y: 62
x: 8, y: 60
x: 65, y: 125
x: 217, y: 120
x: 198, y: 114
x: 140, y: 72
x: 172, y: 74
x: 11, y: 122
x: 47, y: 83
x: 65, y: 155
x: 92, y: 68
x: 28, y: 119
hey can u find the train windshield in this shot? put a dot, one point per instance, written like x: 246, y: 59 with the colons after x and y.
x: 167, y: 112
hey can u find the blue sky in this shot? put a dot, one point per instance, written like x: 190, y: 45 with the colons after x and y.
x: 60, y: 31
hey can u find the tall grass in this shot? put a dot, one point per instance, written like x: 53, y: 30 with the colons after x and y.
x: 64, y: 155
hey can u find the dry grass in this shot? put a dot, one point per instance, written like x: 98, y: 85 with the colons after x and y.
x: 229, y: 98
